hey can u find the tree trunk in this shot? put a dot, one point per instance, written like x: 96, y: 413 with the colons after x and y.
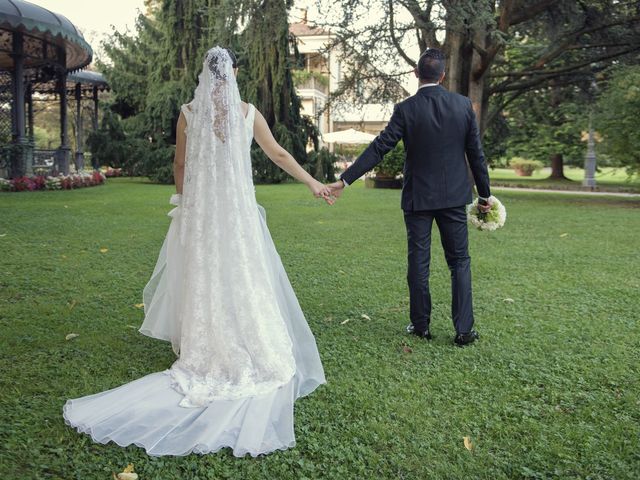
x: 454, y: 72
x: 557, y: 167
x: 476, y: 82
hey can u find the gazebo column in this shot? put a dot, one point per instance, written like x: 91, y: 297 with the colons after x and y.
x: 64, y: 150
x: 18, y: 167
x: 79, y: 146
x: 31, y: 133
x: 30, y: 111
x: 94, y: 161
x: 95, y: 108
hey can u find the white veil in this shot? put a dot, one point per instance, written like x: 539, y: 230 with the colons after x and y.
x: 233, y: 341
x: 216, y: 149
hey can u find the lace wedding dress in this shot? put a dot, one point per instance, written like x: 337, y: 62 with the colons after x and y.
x: 220, y: 295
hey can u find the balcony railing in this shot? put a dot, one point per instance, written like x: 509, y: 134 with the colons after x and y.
x: 314, y: 84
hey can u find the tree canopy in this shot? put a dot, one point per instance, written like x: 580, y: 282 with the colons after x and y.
x: 154, y: 71
x: 617, y: 117
x: 549, y: 42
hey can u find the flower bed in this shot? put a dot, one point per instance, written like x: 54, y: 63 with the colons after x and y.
x: 61, y: 182
x: 112, y: 172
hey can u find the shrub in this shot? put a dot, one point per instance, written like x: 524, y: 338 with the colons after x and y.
x: 525, y: 167
x: 22, y: 184
x: 322, y: 165
x: 112, y: 172
x: 392, y: 163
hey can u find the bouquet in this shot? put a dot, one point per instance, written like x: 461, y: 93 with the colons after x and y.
x: 491, y: 220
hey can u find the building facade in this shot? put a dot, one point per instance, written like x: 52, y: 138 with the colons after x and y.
x: 319, y: 75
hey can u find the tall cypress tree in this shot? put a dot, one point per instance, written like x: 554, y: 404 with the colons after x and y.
x: 266, y: 82
x: 155, y: 72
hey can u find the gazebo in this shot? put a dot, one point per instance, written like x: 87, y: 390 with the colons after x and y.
x: 39, y: 52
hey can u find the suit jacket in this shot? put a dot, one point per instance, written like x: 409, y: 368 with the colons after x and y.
x: 438, y: 128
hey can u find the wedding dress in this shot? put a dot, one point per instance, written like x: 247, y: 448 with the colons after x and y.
x: 220, y: 295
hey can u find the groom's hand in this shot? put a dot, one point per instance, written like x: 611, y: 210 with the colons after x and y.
x: 320, y: 190
x: 336, y: 188
x: 484, y: 205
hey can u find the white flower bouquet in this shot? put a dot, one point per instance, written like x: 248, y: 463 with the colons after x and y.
x: 491, y: 220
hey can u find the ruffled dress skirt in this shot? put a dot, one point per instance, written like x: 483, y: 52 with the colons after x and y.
x: 146, y: 412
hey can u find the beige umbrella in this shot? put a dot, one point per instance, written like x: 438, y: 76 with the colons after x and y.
x: 348, y: 136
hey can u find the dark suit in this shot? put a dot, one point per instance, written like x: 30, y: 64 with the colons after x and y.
x: 439, y: 130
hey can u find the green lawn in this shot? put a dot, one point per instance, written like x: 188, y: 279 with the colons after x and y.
x: 550, y: 391
x: 607, y: 179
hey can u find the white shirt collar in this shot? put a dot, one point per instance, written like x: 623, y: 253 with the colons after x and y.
x: 428, y: 85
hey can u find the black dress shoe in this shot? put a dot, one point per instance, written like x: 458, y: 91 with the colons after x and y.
x: 426, y: 334
x: 463, y: 339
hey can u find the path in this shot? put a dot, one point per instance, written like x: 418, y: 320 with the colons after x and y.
x: 569, y: 192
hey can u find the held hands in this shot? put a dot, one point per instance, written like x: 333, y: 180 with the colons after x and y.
x: 330, y: 192
x: 336, y: 189
x: 321, y: 191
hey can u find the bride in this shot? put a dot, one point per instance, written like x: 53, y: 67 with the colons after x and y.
x: 220, y: 295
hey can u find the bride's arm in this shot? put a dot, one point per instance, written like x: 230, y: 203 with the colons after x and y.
x: 178, y: 159
x: 284, y: 160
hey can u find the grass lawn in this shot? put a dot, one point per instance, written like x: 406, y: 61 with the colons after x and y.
x: 551, y: 389
x: 607, y: 179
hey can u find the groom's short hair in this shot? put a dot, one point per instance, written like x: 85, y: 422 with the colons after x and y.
x: 431, y: 65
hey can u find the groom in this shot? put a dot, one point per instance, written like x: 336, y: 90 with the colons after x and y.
x: 438, y: 128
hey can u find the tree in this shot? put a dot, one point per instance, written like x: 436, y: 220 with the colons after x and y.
x: 617, y: 117
x: 569, y: 37
x: 267, y: 82
x: 155, y: 71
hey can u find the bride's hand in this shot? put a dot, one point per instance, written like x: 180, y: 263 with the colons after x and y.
x: 321, y: 191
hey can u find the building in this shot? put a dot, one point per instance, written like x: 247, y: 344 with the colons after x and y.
x: 320, y: 74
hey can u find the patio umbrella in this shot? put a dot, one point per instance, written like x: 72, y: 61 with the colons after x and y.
x: 348, y: 136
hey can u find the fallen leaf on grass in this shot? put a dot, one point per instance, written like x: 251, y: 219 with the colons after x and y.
x: 139, y: 305
x: 126, y: 474
x: 508, y: 300
x: 467, y: 443
x: 72, y: 304
x: 562, y: 235
x: 71, y: 335
x: 406, y: 349
x: 344, y: 321
x: 104, y: 250
x: 132, y: 326
x: 365, y: 316
x: 3, y: 234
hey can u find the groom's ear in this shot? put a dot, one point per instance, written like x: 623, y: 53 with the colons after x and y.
x: 415, y: 71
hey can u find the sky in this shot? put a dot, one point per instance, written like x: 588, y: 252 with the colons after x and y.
x: 95, y: 18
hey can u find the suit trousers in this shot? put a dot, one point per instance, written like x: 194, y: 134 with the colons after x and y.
x: 452, y: 224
